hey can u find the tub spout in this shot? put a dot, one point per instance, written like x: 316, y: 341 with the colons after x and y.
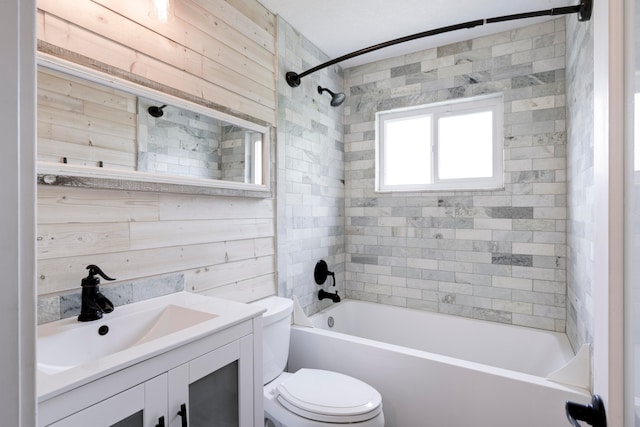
x: 322, y: 294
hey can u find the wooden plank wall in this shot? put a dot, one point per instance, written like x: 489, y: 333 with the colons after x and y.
x: 224, y: 245
x: 222, y: 51
x: 210, y: 49
x: 89, y: 123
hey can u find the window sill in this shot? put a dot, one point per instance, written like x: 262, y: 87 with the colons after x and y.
x: 440, y: 190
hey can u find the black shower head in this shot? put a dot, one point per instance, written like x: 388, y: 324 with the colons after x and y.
x: 336, y: 98
x: 156, y: 111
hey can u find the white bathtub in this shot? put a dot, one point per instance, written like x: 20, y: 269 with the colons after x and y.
x: 435, y: 370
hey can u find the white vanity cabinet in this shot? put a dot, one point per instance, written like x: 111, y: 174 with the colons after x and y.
x: 144, y: 402
x: 213, y: 381
x: 216, y: 389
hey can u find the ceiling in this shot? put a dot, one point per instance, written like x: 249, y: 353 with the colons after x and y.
x: 339, y: 27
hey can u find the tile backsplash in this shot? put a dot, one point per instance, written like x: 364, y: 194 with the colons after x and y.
x: 55, y: 307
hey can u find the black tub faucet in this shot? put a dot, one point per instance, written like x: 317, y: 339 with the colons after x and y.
x: 320, y: 274
x: 322, y: 294
x: 93, y: 303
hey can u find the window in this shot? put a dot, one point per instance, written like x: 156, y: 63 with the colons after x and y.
x: 455, y: 145
x: 253, y: 157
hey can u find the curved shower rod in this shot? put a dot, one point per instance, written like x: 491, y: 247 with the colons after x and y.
x: 583, y: 10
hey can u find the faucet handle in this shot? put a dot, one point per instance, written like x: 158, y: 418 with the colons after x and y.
x: 321, y: 272
x: 94, y: 269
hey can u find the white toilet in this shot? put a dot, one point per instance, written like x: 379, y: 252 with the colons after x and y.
x: 309, y: 397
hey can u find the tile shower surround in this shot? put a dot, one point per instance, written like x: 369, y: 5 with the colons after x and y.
x: 310, y: 175
x: 580, y: 197
x: 494, y: 255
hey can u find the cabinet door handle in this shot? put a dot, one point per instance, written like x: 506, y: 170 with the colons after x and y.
x: 593, y: 414
x: 183, y: 414
x: 160, y: 422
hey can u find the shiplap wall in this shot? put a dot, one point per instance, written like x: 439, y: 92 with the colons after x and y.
x: 86, y: 121
x: 222, y: 52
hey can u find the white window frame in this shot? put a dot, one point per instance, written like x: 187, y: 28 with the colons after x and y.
x: 493, y: 103
x: 253, y: 146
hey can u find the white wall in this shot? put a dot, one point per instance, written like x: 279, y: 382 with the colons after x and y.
x: 608, y: 178
x: 17, y: 305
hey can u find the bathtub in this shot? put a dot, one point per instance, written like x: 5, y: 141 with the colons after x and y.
x: 436, y: 370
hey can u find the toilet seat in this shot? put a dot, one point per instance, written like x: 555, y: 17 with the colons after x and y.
x: 329, y: 397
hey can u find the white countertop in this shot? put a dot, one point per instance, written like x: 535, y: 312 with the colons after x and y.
x: 227, y: 313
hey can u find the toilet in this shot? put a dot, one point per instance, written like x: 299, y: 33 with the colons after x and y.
x: 309, y: 397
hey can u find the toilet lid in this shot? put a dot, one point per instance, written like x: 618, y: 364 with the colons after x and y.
x: 329, y: 396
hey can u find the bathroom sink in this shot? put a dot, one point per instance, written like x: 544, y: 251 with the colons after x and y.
x: 70, y: 353
x: 70, y: 343
x: 78, y: 362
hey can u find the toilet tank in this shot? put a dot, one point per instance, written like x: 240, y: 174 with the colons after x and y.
x: 276, y: 322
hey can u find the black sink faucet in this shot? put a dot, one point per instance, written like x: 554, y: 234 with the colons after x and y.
x: 93, y: 303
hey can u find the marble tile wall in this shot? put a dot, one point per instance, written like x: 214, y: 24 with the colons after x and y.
x: 180, y: 142
x: 498, y: 255
x: 232, y: 157
x: 310, y: 175
x: 65, y: 305
x: 580, y: 222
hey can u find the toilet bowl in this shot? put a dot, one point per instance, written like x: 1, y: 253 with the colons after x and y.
x: 309, y: 397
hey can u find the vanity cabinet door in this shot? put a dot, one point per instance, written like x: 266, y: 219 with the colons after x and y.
x: 141, y: 406
x: 215, y: 389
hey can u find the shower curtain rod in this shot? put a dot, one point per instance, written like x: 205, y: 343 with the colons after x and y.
x: 583, y: 10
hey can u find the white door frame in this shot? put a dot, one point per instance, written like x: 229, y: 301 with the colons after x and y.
x: 608, y: 349
x: 17, y: 212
